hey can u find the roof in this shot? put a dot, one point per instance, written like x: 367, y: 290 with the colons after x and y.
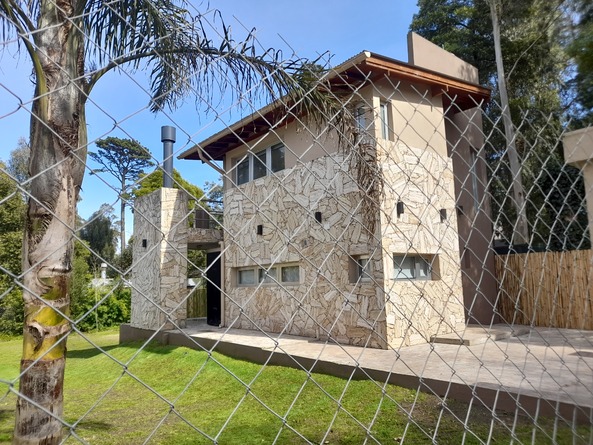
x: 363, y: 67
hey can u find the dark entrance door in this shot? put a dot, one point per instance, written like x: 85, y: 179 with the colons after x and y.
x: 213, y: 289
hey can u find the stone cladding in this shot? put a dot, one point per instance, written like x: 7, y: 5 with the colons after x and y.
x: 159, y: 273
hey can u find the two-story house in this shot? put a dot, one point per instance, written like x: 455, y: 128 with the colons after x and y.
x: 381, y: 239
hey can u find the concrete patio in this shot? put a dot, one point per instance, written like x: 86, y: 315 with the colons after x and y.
x: 537, y: 371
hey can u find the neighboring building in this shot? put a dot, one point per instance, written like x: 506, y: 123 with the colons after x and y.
x: 380, y: 241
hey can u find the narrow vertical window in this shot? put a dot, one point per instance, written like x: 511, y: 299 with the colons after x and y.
x: 243, y: 171
x: 277, y: 156
x: 259, y: 164
x: 364, y: 268
x: 360, y: 119
x: 384, y: 120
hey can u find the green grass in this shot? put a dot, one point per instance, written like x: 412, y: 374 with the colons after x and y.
x: 180, y: 396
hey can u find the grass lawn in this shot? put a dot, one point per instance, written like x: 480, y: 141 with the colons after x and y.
x: 174, y: 395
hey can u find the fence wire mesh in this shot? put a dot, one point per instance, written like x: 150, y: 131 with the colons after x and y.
x: 361, y: 273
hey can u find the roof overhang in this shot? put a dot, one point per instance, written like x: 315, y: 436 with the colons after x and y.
x: 366, y: 67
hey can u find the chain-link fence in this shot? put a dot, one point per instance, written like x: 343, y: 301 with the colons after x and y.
x: 371, y: 267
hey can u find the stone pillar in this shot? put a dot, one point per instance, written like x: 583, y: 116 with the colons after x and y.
x: 159, y: 273
x: 578, y: 151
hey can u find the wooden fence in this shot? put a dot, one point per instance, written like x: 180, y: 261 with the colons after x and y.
x: 551, y: 289
x: 196, y: 303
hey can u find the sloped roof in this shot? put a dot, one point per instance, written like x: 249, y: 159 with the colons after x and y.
x: 458, y: 95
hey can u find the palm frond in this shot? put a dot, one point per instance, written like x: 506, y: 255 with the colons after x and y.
x: 185, y: 61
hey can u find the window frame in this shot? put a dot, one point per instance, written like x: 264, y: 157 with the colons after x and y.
x: 419, y: 273
x: 267, y: 275
x: 252, y: 157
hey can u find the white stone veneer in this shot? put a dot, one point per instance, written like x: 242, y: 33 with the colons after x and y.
x: 159, y: 274
x: 375, y: 313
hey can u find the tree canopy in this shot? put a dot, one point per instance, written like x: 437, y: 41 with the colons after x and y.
x: 18, y: 163
x: 152, y: 181
x: 536, y: 64
x: 126, y: 160
x: 99, y: 233
x: 12, y: 215
x: 581, y: 49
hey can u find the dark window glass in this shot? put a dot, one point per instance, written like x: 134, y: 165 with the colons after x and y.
x: 277, y: 155
x: 243, y: 171
x: 259, y: 164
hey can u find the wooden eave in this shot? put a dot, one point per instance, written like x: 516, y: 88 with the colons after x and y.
x: 457, y: 95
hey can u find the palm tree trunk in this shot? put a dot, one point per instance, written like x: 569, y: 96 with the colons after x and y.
x: 58, y: 129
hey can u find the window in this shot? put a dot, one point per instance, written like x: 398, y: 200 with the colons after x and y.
x: 290, y: 274
x: 246, y: 277
x: 243, y: 171
x: 363, y: 268
x: 267, y: 275
x: 260, y: 164
x: 384, y: 120
x: 412, y: 267
x: 359, y: 269
x: 277, y: 155
x: 283, y: 274
x: 360, y: 119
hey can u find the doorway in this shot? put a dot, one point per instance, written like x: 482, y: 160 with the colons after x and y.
x: 213, y: 289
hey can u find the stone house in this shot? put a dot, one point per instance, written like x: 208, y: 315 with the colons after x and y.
x: 382, y: 240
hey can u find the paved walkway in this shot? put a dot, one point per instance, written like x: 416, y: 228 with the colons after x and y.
x: 542, y: 371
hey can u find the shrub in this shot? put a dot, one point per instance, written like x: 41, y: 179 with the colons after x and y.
x: 102, y: 308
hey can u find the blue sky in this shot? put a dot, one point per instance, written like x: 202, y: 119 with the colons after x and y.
x: 119, y: 104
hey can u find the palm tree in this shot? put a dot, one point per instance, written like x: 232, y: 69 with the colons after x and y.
x: 62, y: 38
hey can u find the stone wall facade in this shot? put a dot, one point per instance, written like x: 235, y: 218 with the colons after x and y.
x: 324, y: 303
x: 328, y: 301
x: 423, y: 180
x: 159, y: 273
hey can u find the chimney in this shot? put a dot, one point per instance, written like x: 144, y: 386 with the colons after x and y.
x: 168, y: 139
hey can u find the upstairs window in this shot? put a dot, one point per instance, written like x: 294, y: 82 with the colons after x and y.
x: 360, y: 119
x: 384, y: 120
x: 260, y: 164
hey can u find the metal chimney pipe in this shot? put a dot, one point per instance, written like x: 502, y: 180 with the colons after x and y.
x: 168, y: 139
